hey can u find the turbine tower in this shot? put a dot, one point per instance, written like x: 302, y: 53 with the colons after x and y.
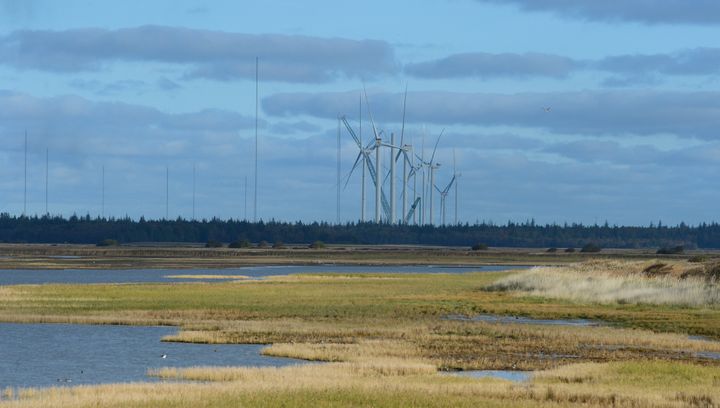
x: 167, y: 192
x: 456, y: 175
x: 337, y: 209
x: 25, y: 183
x: 392, y: 179
x: 102, y: 204
x: 257, y: 77
x: 378, y: 183
x: 47, y: 182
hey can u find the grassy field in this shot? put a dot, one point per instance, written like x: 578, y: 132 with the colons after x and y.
x: 386, y: 336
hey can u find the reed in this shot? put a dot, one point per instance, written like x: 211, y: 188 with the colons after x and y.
x: 620, y: 282
x: 393, y: 384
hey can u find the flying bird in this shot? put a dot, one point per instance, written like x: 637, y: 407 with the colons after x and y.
x: 547, y: 109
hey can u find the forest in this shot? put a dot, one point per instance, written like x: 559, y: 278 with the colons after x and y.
x: 92, y: 230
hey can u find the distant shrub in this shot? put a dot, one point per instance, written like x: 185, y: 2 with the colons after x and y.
x: 712, y: 273
x: 479, y: 247
x: 108, y: 242
x: 278, y: 245
x: 698, y: 259
x: 240, y: 244
x: 213, y: 243
x: 317, y: 245
x: 676, y: 250
x: 657, y: 269
x: 590, y: 248
x: 552, y: 250
x: 263, y: 244
x: 570, y: 250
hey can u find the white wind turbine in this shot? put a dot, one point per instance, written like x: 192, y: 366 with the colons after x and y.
x: 364, y: 155
x: 381, y: 202
x: 456, y: 176
x: 431, y: 166
x: 443, y: 197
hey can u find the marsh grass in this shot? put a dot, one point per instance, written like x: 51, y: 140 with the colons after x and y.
x: 619, y: 282
x: 398, y: 384
x: 336, y: 317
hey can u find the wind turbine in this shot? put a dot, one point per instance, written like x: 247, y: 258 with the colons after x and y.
x: 381, y: 201
x: 364, y: 155
x: 443, y: 197
x: 403, y: 150
x: 456, y: 176
x: 432, y: 166
x: 383, y: 206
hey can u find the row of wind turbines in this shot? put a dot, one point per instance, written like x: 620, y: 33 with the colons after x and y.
x: 417, y: 202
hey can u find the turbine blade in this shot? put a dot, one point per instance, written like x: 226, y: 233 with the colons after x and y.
x: 357, y: 160
x: 432, y: 158
x: 367, y: 102
x: 351, y: 131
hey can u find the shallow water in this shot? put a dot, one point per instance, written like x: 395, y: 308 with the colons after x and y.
x: 36, y: 276
x: 41, y: 355
x: 709, y: 355
x: 517, y: 376
x: 488, y: 318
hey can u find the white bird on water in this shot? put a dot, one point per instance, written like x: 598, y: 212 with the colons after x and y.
x: 163, y: 356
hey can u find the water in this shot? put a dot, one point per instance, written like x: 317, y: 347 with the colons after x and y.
x: 516, y: 376
x: 709, y: 355
x: 36, y: 276
x: 488, y: 318
x: 41, y: 355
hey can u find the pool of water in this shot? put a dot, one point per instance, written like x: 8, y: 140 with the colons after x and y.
x: 516, y: 376
x: 488, y: 318
x: 41, y: 355
x: 709, y: 355
x: 37, y: 276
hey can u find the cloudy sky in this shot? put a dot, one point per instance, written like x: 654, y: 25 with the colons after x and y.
x: 632, y: 135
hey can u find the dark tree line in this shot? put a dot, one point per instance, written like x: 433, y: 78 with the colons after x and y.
x: 88, y: 230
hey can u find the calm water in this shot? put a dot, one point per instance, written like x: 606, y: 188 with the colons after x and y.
x: 41, y: 355
x: 517, y: 376
x: 17, y: 277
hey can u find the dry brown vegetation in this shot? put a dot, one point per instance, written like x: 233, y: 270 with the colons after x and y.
x: 650, y: 282
x: 398, y: 384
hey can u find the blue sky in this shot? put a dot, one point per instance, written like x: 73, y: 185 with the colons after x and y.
x: 631, y: 137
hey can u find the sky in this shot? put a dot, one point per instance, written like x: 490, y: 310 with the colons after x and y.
x: 552, y: 110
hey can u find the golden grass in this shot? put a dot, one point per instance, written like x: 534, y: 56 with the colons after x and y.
x: 398, y: 384
x: 616, y: 282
